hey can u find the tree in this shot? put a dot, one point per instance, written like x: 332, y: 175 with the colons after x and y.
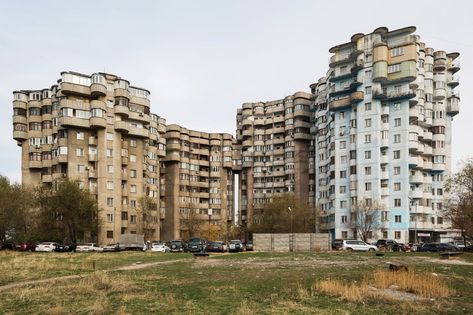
x: 459, y: 207
x: 190, y: 222
x: 276, y: 217
x: 148, y: 216
x: 68, y: 212
x: 366, y: 217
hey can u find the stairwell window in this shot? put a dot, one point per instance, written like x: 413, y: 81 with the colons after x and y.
x: 394, y: 68
x: 398, y: 51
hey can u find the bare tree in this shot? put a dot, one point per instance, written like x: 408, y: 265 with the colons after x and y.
x: 366, y: 217
x: 190, y: 221
x: 459, y: 207
x: 148, y: 217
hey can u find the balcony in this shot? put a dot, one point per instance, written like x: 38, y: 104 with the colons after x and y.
x: 20, y: 135
x: 453, y: 106
x: 416, y: 194
x: 98, y: 89
x: 384, y: 191
x: 439, y: 94
x: 121, y: 110
x: 453, y: 81
x: 138, y: 132
x: 74, y: 122
x: 68, y: 88
x: 440, y: 64
x: 35, y: 164
x: 384, y: 159
x: 417, y: 178
x: 122, y: 126
x: 92, y: 157
x: 454, y: 66
x: 98, y: 122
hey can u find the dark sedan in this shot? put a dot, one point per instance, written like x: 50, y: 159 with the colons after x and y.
x: 438, y: 247
x: 249, y: 246
x: 65, y: 248
x: 216, y: 247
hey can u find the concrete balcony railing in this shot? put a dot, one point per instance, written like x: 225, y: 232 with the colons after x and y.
x: 98, y: 122
x: 417, y: 178
x: 20, y: 135
x: 122, y: 126
x: 98, y: 89
x: 74, y: 122
x: 68, y: 88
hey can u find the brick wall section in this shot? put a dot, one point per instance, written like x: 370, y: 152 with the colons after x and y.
x: 281, y: 242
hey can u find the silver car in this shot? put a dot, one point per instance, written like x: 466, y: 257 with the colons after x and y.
x: 357, y: 245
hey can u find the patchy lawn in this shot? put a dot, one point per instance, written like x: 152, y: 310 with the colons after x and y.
x: 243, y: 283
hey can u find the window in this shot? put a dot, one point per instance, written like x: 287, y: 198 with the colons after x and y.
x: 343, y: 159
x: 397, y: 154
x: 368, y: 122
x: 132, y: 143
x: 344, y: 234
x: 344, y: 219
x: 132, y: 203
x: 109, y: 152
x: 439, y: 220
x: 367, y: 155
x: 343, y: 174
x: 397, y: 235
x: 343, y: 204
x: 368, y: 186
x: 132, y: 158
x: 109, y: 234
x: 79, y: 152
x: 343, y: 189
x: 367, y: 138
x: 394, y: 68
x: 133, y: 188
x: 109, y: 217
x: 133, y: 219
x: 397, y: 202
x: 397, y: 138
x: 397, y: 170
x: 367, y: 107
x: 398, y: 51
x: 397, y: 218
x: 110, y: 185
x: 110, y: 202
x: 397, y: 186
x: 110, y: 136
x: 341, y: 115
x: 110, y: 169
x: 368, y: 90
x: 343, y: 144
x: 80, y: 135
x: 368, y: 170
x: 384, y: 216
x: 80, y: 168
x: 368, y: 73
x: 133, y: 173
x: 397, y: 122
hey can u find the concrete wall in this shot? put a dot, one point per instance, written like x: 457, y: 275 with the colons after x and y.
x: 282, y: 242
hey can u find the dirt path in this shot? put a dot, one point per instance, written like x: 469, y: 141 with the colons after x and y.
x: 135, y: 266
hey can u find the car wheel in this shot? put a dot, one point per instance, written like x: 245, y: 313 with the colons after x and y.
x: 350, y: 249
x: 371, y: 250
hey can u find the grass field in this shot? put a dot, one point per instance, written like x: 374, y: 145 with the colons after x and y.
x: 244, y: 283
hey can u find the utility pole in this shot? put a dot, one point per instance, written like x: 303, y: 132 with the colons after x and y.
x: 291, y: 239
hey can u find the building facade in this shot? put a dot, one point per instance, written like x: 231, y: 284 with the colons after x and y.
x: 96, y: 129
x: 273, y: 139
x: 383, y: 117
x: 198, y: 184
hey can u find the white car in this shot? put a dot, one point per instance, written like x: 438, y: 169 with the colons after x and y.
x: 160, y: 248
x: 46, y: 247
x: 88, y: 247
x: 357, y: 245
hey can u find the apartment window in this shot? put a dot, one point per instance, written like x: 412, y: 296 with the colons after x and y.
x: 109, y: 152
x: 367, y: 138
x: 384, y: 134
x: 109, y: 136
x: 132, y: 158
x: 79, y: 152
x: 132, y: 143
x: 344, y: 235
x: 397, y: 186
x: 385, y: 234
x: 341, y: 115
x: 397, y: 235
x: 80, y: 168
x: 133, y: 188
x: 343, y: 144
x: 439, y: 220
x: 398, y: 51
x: 80, y: 135
x: 397, y: 122
x: 343, y: 159
x: 132, y: 203
x: 343, y: 204
x: 367, y: 107
x: 343, y: 174
x: 110, y: 202
x: 368, y: 186
x: 394, y: 68
x: 397, y: 170
x: 110, y: 185
x: 133, y: 173
x: 109, y: 217
x: 368, y: 122
x: 384, y: 216
x: 343, y: 189
x: 368, y: 74
x: 397, y: 219
x: 368, y: 90
x: 110, y: 169
x: 352, y: 138
x: 397, y: 138
x: 397, y: 154
x: 368, y: 170
x: 344, y: 219
x: 109, y: 234
x: 133, y: 219
x: 343, y: 69
x: 367, y: 155
x: 397, y: 202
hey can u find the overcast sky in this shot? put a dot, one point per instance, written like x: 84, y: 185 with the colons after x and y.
x: 202, y: 59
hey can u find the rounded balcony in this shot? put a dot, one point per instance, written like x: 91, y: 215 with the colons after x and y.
x: 20, y: 135
x: 98, y: 90
x: 98, y: 122
x: 122, y: 110
x: 122, y: 126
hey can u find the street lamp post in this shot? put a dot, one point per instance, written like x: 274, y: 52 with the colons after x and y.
x: 414, y: 203
x: 291, y: 240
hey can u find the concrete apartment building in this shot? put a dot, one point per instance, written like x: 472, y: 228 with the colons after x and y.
x: 97, y: 129
x: 272, y: 152
x: 383, y: 126
x: 198, y: 183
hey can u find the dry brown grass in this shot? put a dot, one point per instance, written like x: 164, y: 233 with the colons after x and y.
x: 424, y: 284
x: 246, y: 308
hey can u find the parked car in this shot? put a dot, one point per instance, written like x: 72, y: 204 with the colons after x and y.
x: 197, y: 244
x: 216, y: 247
x: 249, y: 246
x: 26, y: 247
x: 468, y: 249
x: 438, y: 247
x: 7, y: 244
x: 390, y: 245
x: 65, y: 248
x: 414, y: 247
x: 460, y: 244
x: 46, y: 247
x: 160, y: 248
x: 177, y: 246
x: 235, y: 246
x: 113, y: 247
x: 337, y: 244
x: 88, y: 247
x: 357, y: 245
